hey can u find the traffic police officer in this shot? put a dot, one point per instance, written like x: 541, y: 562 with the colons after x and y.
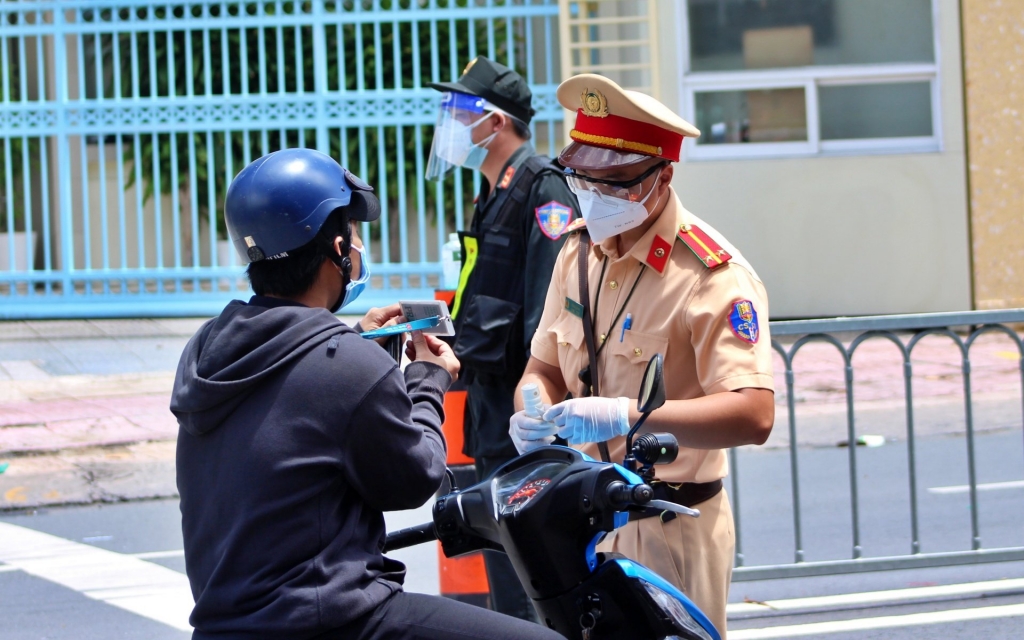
x: 522, y: 210
x: 662, y: 281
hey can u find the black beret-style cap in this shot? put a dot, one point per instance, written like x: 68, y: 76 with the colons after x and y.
x: 495, y: 83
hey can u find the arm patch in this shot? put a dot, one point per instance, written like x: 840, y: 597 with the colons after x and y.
x: 553, y: 218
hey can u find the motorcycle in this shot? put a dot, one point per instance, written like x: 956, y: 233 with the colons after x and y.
x: 548, y: 509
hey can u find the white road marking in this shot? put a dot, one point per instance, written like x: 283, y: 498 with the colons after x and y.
x: 151, y: 555
x: 144, y: 588
x: 988, y: 486
x: 24, y: 370
x: 886, y: 622
x: 877, y: 597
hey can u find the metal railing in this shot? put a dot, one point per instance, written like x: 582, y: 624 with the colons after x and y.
x: 906, y: 333
x: 121, y: 123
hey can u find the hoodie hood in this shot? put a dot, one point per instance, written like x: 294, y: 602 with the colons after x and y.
x: 235, y: 351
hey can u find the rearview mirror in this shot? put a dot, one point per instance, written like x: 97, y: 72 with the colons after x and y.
x: 652, y: 387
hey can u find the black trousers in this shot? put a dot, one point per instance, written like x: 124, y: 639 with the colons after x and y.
x: 507, y: 595
x: 415, y: 616
x: 488, y: 407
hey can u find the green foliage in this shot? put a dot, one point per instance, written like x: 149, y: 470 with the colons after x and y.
x: 16, y: 155
x: 360, y: 57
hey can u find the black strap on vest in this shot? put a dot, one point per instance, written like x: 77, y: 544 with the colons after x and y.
x: 589, y: 376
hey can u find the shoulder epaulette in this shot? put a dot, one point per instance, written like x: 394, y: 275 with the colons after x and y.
x: 707, y: 250
x: 575, y: 225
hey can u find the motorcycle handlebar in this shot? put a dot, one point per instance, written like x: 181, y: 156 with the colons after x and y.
x: 410, y: 537
x: 621, y: 495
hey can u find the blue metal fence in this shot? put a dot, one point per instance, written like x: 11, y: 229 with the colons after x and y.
x: 121, y: 124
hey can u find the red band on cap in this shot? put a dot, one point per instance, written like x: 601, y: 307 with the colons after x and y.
x: 616, y: 132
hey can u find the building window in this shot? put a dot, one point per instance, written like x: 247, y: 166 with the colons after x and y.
x: 807, y: 77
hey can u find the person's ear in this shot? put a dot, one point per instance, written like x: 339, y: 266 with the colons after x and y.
x: 344, y: 262
x: 500, y: 120
x: 665, y: 179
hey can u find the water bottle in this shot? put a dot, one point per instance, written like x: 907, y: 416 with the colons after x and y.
x: 451, y: 262
x: 532, y: 405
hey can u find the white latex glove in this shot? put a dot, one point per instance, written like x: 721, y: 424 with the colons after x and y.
x: 529, y: 433
x: 590, y: 419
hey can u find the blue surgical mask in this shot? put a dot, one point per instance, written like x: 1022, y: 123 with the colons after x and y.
x: 355, y: 287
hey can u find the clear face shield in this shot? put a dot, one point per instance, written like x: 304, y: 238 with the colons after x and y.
x: 453, y: 135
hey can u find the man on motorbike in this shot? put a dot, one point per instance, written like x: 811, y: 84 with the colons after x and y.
x: 296, y: 433
x: 660, y: 280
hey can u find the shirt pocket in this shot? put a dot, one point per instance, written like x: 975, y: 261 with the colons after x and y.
x: 568, y: 331
x: 500, y: 249
x: 629, y: 360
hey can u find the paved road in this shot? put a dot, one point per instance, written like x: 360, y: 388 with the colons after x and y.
x: 141, y: 541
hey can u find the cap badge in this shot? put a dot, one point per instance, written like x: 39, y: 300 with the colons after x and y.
x: 594, y: 103
x: 469, y: 66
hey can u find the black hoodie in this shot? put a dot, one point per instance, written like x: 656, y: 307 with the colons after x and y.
x: 295, y: 434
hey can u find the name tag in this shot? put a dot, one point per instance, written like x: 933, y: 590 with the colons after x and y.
x: 574, y: 307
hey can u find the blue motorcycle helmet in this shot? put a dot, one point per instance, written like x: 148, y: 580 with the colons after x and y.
x: 278, y: 202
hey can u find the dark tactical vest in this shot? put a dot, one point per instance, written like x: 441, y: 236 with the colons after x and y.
x: 488, y: 308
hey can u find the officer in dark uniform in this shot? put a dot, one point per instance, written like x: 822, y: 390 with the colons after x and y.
x: 508, y: 255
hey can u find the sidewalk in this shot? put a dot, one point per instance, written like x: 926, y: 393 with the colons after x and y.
x: 84, y: 404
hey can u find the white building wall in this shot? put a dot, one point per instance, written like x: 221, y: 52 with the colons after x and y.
x: 851, y: 235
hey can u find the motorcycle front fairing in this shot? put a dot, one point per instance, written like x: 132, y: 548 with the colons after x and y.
x: 548, y: 510
x: 507, y: 512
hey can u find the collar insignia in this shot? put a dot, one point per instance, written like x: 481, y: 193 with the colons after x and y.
x: 507, y: 178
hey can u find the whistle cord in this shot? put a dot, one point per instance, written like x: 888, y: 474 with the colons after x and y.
x: 597, y: 301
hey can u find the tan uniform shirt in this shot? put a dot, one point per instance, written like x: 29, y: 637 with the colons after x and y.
x: 682, y: 313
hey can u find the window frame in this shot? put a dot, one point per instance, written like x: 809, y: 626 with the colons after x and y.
x: 809, y: 78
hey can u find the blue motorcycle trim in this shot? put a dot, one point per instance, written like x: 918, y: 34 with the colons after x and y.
x: 592, y: 550
x: 630, y: 477
x: 634, y: 570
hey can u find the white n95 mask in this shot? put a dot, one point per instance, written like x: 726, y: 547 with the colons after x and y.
x: 607, y: 216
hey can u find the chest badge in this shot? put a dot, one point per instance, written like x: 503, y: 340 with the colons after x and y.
x: 553, y: 218
x: 573, y: 307
x: 743, y: 320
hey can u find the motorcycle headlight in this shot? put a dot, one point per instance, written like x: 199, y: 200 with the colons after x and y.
x: 678, y: 612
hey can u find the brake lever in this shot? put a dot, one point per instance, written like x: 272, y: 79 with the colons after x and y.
x: 665, y: 505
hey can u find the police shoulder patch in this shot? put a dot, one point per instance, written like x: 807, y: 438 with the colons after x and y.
x: 553, y: 218
x: 707, y: 250
x: 743, y: 320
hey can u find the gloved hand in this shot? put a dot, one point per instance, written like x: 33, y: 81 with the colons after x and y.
x: 529, y: 433
x: 590, y: 419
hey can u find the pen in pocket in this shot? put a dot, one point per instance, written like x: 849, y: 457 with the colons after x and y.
x: 627, y: 324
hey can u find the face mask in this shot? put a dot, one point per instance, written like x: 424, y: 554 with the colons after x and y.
x: 607, y: 216
x: 455, y: 143
x: 354, y: 287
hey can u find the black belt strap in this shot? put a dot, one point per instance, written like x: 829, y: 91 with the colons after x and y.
x: 591, y: 386
x: 688, y: 494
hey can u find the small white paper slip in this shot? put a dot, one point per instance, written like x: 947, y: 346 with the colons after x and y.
x: 419, y: 309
